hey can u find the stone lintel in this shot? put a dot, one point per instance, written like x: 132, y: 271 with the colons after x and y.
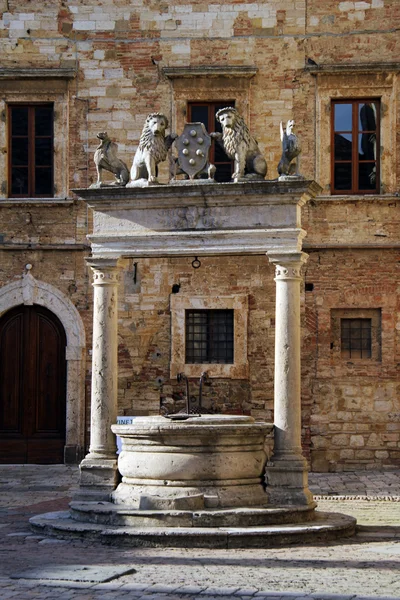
x: 209, y: 71
x: 32, y: 73
x: 199, y: 243
x: 369, y: 67
x: 201, y: 219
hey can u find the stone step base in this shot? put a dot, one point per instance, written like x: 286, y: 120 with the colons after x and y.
x: 325, y: 526
x: 107, y: 513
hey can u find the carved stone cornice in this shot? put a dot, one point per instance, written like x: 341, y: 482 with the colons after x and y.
x: 41, y: 73
x: 208, y: 71
x: 373, y: 67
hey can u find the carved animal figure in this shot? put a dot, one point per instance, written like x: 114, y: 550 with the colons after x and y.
x: 240, y: 145
x: 153, y: 148
x: 106, y: 158
x: 290, y: 150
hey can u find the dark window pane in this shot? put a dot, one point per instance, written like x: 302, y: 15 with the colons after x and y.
x: 342, y: 176
x: 343, y: 146
x: 44, y: 120
x: 43, y: 181
x: 367, y: 176
x: 19, y: 181
x: 367, y: 146
x: 343, y: 117
x: 209, y: 336
x: 19, y: 152
x: 19, y: 120
x: 199, y: 114
x: 356, y: 338
x: 367, y: 116
x: 43, y: 151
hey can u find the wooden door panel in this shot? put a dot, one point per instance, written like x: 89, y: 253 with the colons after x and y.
x: 49, y: 418
x: 32, y: 386
x: 10, y: 377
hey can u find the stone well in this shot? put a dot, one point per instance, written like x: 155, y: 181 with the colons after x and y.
x: 212, y: 461
x: 202, y: 481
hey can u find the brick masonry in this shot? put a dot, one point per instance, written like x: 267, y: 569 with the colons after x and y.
x: 116, y: 51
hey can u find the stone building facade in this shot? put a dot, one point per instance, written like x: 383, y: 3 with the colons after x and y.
x: 104, y: 65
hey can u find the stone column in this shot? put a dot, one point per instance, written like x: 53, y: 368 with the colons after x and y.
x: 287, y: 472
x: 99, y: 467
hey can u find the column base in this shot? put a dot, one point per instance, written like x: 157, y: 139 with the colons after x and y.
x: 287, y: 482
x: 98, y: 478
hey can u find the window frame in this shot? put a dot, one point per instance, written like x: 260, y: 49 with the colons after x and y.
x: 374, y: 315
x: 179, y: 303
x: 355, y: 161
x: 32, y: 136
x: 212, y: 105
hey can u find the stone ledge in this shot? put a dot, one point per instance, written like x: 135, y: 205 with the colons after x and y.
x: 352, y: 68
x: 207, y: 71
x: 32, y: 73
x: 327, y: 526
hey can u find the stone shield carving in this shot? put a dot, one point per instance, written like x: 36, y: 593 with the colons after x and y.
x: 193, y: 148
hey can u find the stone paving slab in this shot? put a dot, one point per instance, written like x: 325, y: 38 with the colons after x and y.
x: 87, y: 574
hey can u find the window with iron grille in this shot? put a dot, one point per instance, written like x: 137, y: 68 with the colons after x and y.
x: 204, y: 112
x: 356, y: 338
x: 355, y: 144
x: 209, y: 336
x: 31, y: 140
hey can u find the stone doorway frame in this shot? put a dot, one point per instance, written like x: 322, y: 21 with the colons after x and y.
x: 30, y: 291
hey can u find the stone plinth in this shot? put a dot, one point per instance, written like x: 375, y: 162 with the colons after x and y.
x: 212, y: 461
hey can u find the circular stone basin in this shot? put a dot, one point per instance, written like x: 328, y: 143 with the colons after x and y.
x: 210, y: 461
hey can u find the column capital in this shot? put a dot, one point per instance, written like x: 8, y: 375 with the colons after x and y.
x: 287, y: 264
x: 105, y: 270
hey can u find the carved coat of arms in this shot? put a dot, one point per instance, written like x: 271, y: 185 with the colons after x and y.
x: 193, y: 148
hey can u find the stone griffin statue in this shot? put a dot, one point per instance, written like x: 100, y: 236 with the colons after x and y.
x: 290, y: 151
x: 153, y: 149
x: 240, y: 146
x: 106, y: 158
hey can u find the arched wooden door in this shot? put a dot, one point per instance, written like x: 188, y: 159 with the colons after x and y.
x: 32, y: 386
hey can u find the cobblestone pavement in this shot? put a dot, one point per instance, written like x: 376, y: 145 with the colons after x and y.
x: 364, y: 567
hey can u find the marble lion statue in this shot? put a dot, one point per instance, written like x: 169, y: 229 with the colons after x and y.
x: 153, y: 148
x: 240, y: 146
x: 106, y: 158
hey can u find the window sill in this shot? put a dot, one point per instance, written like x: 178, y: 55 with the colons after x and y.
x: 38, y: 201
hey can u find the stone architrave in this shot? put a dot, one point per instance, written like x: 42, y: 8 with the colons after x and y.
x: 287, y: 471
x: 99, y: 467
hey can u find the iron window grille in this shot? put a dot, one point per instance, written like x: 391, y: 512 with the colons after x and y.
x: 31, y: 146
x: 209, y: 336
x: 205, y: 112
x: 356, y: 338
x: 355, y: 146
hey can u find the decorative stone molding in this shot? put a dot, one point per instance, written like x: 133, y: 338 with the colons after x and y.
x: 207, y: 71
x: 179, y: 304
x: 30, y: 291
x: 38, y: 73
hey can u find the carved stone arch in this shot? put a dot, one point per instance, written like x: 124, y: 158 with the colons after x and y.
x: 30, y: 291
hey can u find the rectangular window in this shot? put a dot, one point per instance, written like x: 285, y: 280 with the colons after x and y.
x: 355, y: 146
x: 209, y: 336
x: 204, y: 112
x: 30, y: 152
x: 356, y: 338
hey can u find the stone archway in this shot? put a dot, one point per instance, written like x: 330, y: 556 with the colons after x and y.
x: 29, y: 291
